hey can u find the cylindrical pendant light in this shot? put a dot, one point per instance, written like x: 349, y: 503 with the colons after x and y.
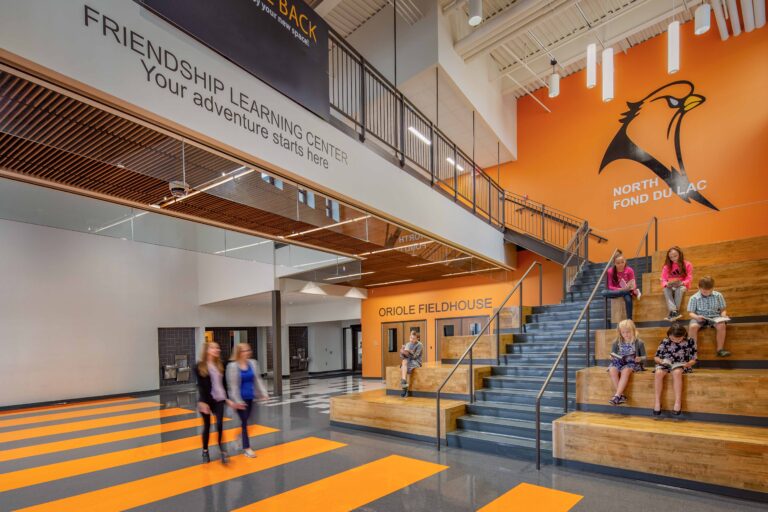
x: 733, y: 13
x: 759, y: 13
x: 748, y: 14
x: 673, y: 47
x: 703, y: 18
x: 717, y: 8
x: 475, y: 12
x: 591, y: 66
x: 554, y: 81
x: 608, y: 74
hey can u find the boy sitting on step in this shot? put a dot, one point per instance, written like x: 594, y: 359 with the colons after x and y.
x: 411, y: 358
x: 707, y: 309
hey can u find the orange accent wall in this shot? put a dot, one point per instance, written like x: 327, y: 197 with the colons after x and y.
x: 724, y: 141
x: 461, y: 288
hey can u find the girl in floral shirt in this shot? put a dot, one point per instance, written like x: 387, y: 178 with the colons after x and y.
x: 676, y: 355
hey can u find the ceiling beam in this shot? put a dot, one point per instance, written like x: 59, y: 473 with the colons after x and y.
x: 326, y: 6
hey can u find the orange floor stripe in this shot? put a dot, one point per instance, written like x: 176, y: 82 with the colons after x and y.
x: 166, y: 485
x: 70, y: 468
x: 64, y: 428
x: 40, y: 418
x: 62, y: 407
x: 351, y: 489
x: 110, y: 437
x: 533, y: 497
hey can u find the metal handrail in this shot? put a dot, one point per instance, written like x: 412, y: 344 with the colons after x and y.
x: 564, y: 351
x: 517, y: 285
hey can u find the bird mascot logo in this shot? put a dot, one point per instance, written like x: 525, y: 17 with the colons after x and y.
x: 642, y: 139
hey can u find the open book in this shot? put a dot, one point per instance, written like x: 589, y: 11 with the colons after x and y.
x: 629, y: 358
x: 717, y: 319
x: 669, y: 366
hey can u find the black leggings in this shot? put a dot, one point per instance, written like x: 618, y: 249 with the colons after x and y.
x: 217, y: 408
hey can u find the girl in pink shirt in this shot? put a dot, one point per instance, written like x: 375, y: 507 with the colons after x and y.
x: 676, y: 277
x: 621, y: 283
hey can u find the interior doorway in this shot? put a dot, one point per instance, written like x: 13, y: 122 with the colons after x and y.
x: 298, y: 349
x: 394, y: 335
x: 352, y: 348
x: 459, y: 326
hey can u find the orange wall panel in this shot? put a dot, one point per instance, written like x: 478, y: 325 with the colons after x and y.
x: 723, y: 142
x: 470, y: 288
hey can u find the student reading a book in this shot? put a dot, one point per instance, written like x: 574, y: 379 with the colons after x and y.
x: 707, y: 309
x: 411, y: 359
x: 621, y: 283
x: 676, y: 355
x: 627, y: 357
x: 676, y: 277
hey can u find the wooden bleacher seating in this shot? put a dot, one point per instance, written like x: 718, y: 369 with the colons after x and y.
x: 727, y: 452
x: 485, y: 349
x: 425, y: 380
x: 413, y: 417
x: 747, y: 342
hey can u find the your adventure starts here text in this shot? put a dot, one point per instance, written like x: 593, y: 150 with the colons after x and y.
x: 181, y: 78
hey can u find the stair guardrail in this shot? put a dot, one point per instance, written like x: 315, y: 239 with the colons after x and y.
x: 577, y: 254
x: 564, y: 354
x: 468, y: 351
x: 647, y: 258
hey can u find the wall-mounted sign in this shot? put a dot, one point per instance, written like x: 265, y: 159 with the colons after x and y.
x: 650, y: 135
x: 447, y: 306
x: 282, y: 42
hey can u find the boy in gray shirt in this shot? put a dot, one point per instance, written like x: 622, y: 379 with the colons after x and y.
x: 410, y: 356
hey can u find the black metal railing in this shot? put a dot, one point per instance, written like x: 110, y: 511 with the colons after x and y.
x: 576, y: 255
x: 368, y: 103
x: 470, y: 376
x: 647, y: 258
x: 563, y: 355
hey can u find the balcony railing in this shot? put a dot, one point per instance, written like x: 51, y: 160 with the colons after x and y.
x: 367, y: 102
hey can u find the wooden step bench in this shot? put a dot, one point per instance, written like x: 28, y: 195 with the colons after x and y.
x: 730, y: 460
x: 484, y: 352
x: 742, y: 301
x: 726, y: 275
x: 413, y: 418
x: 424, y: 381
x: 747, y: 342
x: 734, y: 396
x: 509, y: 318
x: 718, y: 253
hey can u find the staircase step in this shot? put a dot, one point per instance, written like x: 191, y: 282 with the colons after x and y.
x: 513, y: 411
x: 523, y: 396
x: 531, y: 370
x: 499, y: 444
x: 505, y: 426
x: 528, y: 382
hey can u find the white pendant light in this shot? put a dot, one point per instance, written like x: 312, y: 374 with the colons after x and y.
x: 717, y: 8
x: 673, y: 47
x: 554, y: 81
x: 475, y: 12
x: 703, y: 18
x: 759, y: 13
x: 733, y: 13
x: 591, y: 66
x: 748, y: 14
x: 608, y: 74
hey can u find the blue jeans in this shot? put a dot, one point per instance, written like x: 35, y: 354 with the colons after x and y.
x: 626, y: 294
x: 244, y: 415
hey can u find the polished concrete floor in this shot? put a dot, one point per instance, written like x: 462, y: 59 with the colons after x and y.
x: 144, y: 453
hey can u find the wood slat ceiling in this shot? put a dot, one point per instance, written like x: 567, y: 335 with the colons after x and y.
x: 55, y: 138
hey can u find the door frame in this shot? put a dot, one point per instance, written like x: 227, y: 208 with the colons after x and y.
x: 461, y: 333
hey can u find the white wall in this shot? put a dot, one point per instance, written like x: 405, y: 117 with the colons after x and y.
x: 80, y: 312
x: 325, y: 347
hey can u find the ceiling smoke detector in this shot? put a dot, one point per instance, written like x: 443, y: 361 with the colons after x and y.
x: 179, y: 189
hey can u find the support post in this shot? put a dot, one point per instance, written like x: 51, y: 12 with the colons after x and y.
x: 363, y: 117
x: 277, y: 347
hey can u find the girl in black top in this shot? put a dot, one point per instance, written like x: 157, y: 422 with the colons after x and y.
x: 212, y: 395
x: 676, y: 355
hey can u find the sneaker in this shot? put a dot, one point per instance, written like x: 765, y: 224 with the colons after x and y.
x: 404, y: 393
x: 224, y: 457
x: 723, y: 353
x: 249, y: 453
x: 623, y: 399
x: 615, y: 400
x: 674, y: 316
x: 206, y: 457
